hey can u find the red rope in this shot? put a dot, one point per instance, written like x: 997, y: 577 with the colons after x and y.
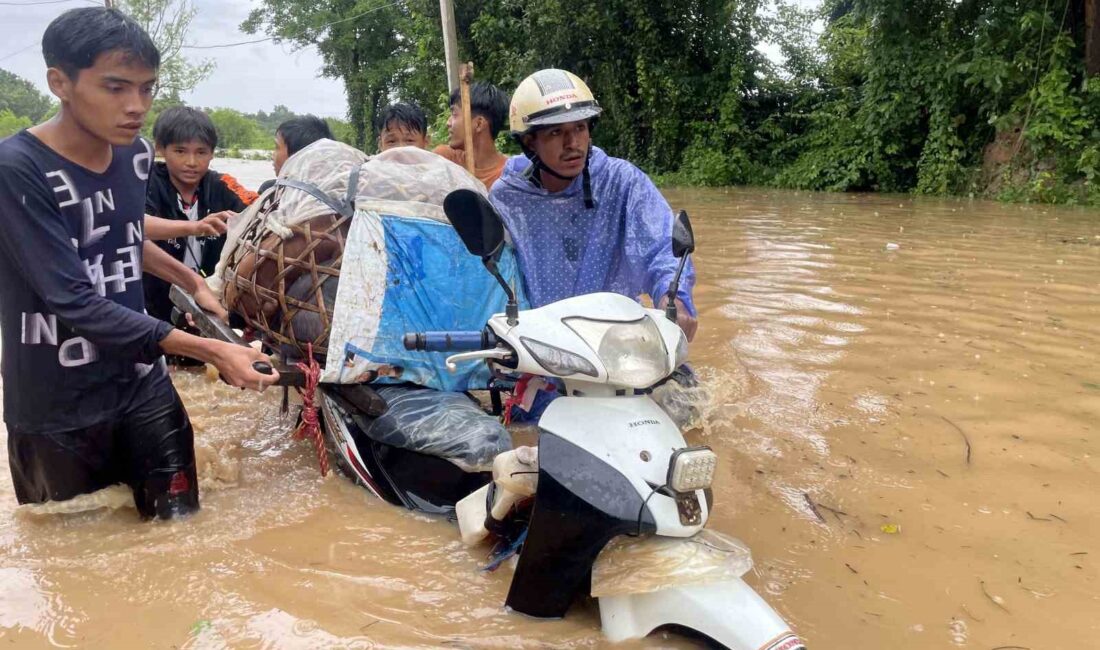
x: 310, y: 426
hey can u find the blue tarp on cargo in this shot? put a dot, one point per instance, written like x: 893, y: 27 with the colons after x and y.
x: 431, y: 283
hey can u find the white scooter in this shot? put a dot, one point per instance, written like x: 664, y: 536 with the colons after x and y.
x: 610, y: 462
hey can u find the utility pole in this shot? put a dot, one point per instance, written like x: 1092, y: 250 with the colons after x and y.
x: 450, y: 42
x: 1092, y: 37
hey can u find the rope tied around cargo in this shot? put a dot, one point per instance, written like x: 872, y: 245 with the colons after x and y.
x: 310, y: 426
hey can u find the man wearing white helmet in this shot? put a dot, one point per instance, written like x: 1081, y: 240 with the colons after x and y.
x: 582, y: 221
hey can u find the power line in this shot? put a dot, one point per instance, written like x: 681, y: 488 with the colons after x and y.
x: 19, y: 51
x: 287, y: 38
x: 31, y: 4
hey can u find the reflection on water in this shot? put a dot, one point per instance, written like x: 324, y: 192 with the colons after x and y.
x: 908, y: 436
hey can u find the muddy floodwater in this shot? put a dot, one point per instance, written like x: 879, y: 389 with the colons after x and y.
x: 905, y: 396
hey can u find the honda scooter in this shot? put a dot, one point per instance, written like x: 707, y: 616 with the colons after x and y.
x: 610, y: 462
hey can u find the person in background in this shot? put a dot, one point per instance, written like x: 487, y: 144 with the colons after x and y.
x: 403, y: 124
x: 88, y: 402
x: 488, y: 112
x: 189, y: 201
x: 292, y: 136
x: 581, y: 221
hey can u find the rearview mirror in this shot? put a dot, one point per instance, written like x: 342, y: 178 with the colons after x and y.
x: 480, y: 227
x: 476, y: 221
x: 683, y: 239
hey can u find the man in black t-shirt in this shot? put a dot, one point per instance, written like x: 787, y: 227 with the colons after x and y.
x: 87, y: 400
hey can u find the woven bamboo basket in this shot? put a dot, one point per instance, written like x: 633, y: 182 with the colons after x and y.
x: 285, y: 288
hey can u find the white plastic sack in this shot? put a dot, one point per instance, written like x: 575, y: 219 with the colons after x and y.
x: 406, y: 181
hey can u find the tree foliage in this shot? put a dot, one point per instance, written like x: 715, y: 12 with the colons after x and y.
x: 167, y: 22
x: 946, y: 96
x: 238, y: 131
x: 10, y: 123
x: 21, y: 98
x: 382, y: 52
x: 931, y: 96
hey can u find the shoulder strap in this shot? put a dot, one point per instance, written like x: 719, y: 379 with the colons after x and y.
x: 345, y: 207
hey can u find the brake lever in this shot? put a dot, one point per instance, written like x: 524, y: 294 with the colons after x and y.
x: 500, y: 354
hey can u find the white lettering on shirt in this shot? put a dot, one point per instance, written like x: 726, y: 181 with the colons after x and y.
x: 38, y: 329
x: 104, y: 200
x: 76, y: 352
x: 127, y: 269
x: 134, y: 234
x: 143, y: 161
x: 90, y: 233
x: 66, y: 187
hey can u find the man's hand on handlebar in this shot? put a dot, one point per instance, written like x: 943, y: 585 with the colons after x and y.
x: 241, y: 367
x: 685, y: 320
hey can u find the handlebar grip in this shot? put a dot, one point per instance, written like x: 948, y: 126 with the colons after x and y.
x: 263, y: 367
x: 449, y: 341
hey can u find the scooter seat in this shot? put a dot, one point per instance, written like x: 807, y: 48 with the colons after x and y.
x: 444, y: 424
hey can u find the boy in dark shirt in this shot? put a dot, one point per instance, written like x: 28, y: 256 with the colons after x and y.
x: 292, y: 136
x: 192, y: 201
x: 87, y: 400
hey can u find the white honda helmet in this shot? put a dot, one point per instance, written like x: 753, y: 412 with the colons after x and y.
x: 548, y: 97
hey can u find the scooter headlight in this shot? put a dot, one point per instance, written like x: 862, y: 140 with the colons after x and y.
x: 557, y: 361
x: 691, y: 468
x: 633, y: 353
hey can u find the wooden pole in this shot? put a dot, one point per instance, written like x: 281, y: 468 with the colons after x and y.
x: 450, y: 42
x: 1092, y: 37
x: 466, y: 77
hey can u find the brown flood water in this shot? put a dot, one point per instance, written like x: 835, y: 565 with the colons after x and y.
x: 909, y: 443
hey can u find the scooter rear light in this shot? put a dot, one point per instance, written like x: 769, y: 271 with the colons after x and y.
x: 691, y: 468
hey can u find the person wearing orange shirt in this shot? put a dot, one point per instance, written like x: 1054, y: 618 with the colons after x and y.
x: 488, y: 112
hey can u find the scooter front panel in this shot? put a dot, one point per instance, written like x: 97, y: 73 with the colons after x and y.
x: 636, y: 437
x: 581, y: 504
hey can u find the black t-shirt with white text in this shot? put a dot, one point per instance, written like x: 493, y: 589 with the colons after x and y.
x: 77, y: 344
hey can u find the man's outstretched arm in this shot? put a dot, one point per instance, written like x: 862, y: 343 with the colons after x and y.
x: 171, y: 270
x: 34, y: 237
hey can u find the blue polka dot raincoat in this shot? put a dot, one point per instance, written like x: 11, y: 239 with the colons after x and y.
x: 622, y: 245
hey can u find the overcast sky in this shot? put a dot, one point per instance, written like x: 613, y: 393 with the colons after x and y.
x: 248, y: 78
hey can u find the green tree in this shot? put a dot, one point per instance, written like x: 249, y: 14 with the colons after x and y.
x: 341, y: 130
x: 167, y: 22
x: 376, y: 50
x: 21, y: 98
x: 269, y: 122
x: 236, y: 130
x: 11, y: 123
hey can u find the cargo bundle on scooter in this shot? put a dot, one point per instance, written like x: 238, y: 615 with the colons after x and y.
x: 348, y: 252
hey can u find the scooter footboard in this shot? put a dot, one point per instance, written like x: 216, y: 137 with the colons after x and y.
x: 729, y: 612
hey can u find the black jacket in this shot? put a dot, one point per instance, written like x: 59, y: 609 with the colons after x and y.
x: 215, y: 194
